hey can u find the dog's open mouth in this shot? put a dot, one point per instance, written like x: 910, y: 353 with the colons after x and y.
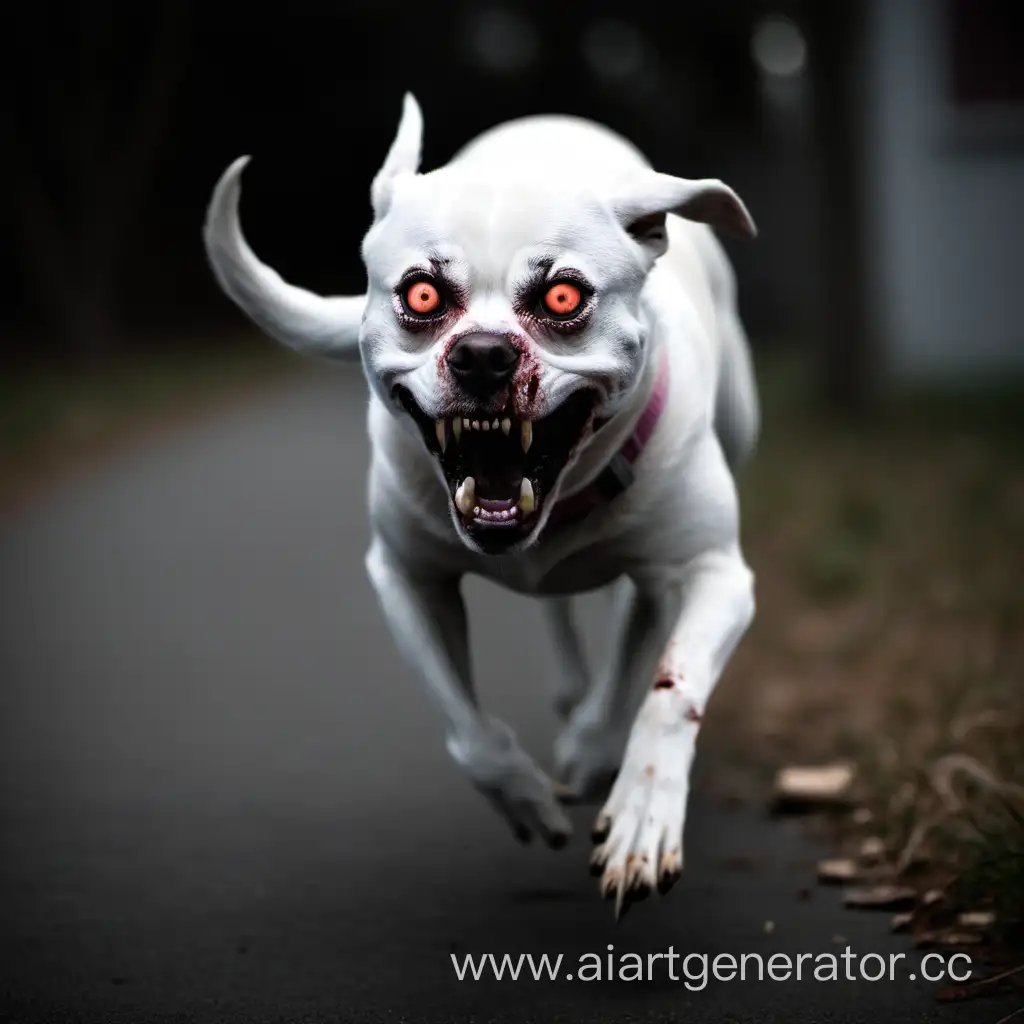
x: 500, y: 469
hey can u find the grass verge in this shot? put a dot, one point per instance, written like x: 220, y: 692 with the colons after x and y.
x: 890, y: 631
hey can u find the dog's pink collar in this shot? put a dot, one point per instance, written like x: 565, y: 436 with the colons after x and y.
x: 617, y: 476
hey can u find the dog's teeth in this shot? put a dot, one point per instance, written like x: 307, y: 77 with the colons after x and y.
x: 527, y: 435
x: 495, y: 424
x: 465, y: 496
x: 485, y: 425
x: 466, y: 423
x: 506, y: 426
x: 476, y: 424
x: 526, y: 502
x: 457, y: 428
x: 442, y: 435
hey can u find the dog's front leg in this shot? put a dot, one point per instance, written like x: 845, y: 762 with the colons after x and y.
x: 427, y: 618
x: 640, y: 828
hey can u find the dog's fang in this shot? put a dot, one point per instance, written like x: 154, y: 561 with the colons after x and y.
x: 506, y: 426
x: 457, y: 428
x: 527, y: 434
x: 526, y: 500
x: 465, y: 496
x: 442, y: 435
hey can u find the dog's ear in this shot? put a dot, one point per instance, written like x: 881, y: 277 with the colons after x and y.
x: 403, y: 156
x: 641, y: 205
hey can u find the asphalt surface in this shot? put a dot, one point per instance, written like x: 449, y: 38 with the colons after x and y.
x: 223, y: 798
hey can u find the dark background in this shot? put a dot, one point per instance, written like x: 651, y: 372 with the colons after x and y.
x: 125, y: 114
x: 128, y: 113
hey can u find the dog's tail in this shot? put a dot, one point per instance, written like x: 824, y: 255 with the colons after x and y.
x: 308, y: 323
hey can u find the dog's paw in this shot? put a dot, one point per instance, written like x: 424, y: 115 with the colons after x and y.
x: 639, y: 832
x: 588, y: 752
x: 524, y: 795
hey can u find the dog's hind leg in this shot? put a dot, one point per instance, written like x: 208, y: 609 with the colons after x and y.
x: 572, y: 677
x: 737, y: 409
x: 589, y: 749
x: 737, y: 412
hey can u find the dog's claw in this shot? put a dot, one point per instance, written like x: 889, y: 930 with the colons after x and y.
x: 634, y: 880
x: 621, y: 904
x: 633, y: 868
x: 670, y: 870
x: 601, y: 828
x: 610, y: 884
x: 522, y: 834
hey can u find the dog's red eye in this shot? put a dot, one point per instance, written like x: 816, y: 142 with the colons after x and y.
x: 423, y: 298
x: 562, y: 299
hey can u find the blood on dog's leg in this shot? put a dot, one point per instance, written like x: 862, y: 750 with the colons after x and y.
x: 572, y: 678
x: 645, y: 813
x: 427, y: 618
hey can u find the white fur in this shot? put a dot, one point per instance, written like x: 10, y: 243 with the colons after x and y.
x: 568, y: 189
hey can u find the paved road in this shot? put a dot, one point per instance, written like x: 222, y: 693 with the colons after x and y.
x: 223, y: 799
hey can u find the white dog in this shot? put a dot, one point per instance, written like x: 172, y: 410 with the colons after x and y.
x: 561, y: 392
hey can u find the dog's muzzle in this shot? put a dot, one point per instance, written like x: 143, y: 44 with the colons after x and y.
x: 500, y: 468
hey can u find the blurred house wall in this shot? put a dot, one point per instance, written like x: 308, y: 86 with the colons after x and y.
x: 946, y: 206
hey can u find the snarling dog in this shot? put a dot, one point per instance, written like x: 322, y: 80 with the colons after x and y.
x: 561, y: 394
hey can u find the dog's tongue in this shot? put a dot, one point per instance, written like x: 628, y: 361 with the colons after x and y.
x: 497, y: 504
x: 496, y: 490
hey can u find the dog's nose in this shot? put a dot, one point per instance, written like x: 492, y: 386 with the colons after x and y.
x: 483, y: 363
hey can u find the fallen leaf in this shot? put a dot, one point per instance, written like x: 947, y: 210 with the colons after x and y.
x: 976, y: 919
x: 880, y: 897
x: 838, y: 870
x: 901, y: 922
x: 872, y: 848
x: 930, y: 940
x: 805, y: 788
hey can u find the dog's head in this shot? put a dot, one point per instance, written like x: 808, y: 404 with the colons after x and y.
x: 501, y: 317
